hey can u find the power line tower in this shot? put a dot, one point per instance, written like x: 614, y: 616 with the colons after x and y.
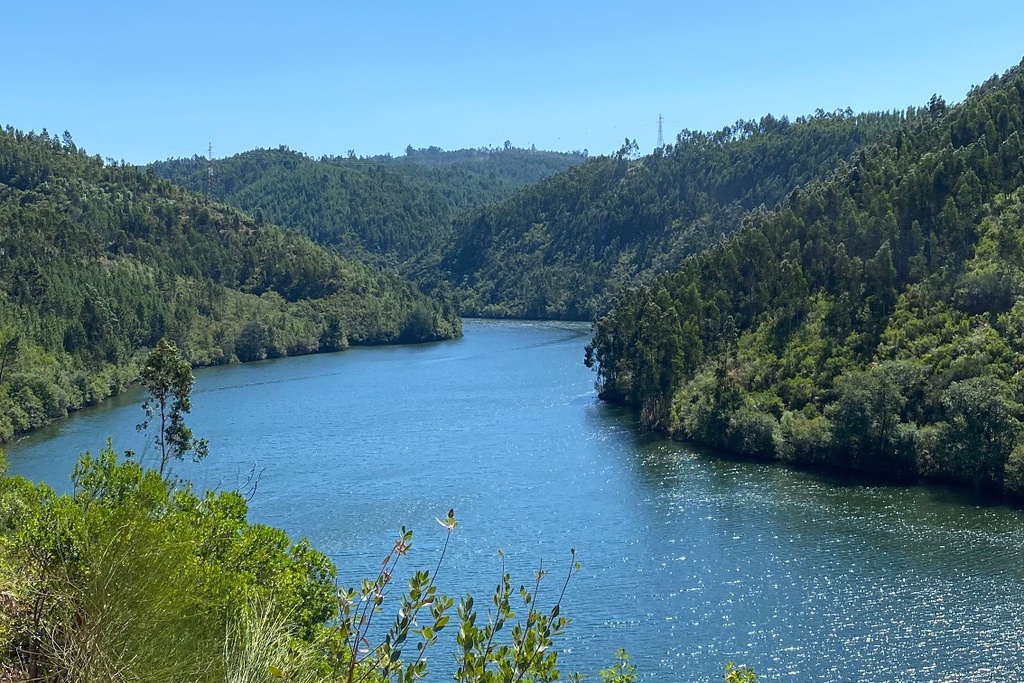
x: 209, y: 169
x: 661, y: 137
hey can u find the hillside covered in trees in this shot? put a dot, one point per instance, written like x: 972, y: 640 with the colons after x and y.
x: 394, y: 211
x: 563, y: 247
x: 873, y: 322
x: 99, y: 261
x: 521, y: 233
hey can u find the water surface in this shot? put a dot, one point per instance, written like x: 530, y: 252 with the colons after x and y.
x: 689, y: 560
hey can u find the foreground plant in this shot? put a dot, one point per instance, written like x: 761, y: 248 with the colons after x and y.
x: 356, y: 659
x: 621, y: 671
x: 528, y: 655
x: 739, y: 674
x: 502, y: 649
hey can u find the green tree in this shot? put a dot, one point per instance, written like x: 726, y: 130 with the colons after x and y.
x: 169, y: 380
x: 8, y: 351
x: 252, y: 342
x: 983, y: 428
x: 867, y: 419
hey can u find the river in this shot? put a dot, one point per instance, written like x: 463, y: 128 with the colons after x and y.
x: 688, y: 560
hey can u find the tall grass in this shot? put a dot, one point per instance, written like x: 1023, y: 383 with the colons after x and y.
x: 258, y: 648
x: 140, y: 612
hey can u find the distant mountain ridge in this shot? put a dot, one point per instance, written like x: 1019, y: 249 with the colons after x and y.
x: 393, y: 211
x: 521, y: 233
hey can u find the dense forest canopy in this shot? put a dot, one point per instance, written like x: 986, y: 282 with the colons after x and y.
x: 563, y: 247
x: 872, y: 322
x: 395, y: 211
x: 99, y: 261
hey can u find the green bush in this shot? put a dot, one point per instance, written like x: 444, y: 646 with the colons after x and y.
x: 801, y: 439
x: 751, y: 432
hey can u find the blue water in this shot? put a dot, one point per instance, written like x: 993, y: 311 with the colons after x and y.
x: 688, y: 560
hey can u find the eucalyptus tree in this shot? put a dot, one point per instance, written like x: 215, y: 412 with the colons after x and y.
x: 169, y: 379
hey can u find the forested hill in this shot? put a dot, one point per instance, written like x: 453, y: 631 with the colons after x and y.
x: 512, y: 166
x: 873, y: 322
x: 98, y: 262
x: 563, y: 247
x: 388, y: 210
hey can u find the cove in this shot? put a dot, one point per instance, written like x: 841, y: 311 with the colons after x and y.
x: 688, y: 560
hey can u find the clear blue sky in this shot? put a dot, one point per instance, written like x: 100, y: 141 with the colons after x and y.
x: 151, y: 80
